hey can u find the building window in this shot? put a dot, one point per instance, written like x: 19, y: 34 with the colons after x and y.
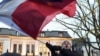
x: 40, y: 48
x: 20, y: 48
x: 1, y: 47
x: 15, y: 48
x: 60, y: 34
x: 27, y: 48
x: 32, y: 48
x: 42, y: 34
x: 43, y: 50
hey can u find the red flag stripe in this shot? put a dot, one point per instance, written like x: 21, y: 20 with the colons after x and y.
x: 31, y: 17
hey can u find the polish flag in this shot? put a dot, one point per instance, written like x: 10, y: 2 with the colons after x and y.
x: 30, y: 16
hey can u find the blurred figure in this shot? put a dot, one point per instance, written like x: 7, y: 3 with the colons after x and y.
x: 63, y: 50
x: 66, y: 45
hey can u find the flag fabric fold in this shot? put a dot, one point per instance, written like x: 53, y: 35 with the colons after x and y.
x: 32, y: 15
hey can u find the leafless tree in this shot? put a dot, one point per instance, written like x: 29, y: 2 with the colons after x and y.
x: 88, y: 22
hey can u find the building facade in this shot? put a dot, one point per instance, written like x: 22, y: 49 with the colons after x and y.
x: 15, y: 42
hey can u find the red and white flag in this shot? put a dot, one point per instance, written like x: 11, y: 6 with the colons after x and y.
x: 31, y: 16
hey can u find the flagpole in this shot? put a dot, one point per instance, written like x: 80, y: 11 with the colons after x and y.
x: 41, y: 41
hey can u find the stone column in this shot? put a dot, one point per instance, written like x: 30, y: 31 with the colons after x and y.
x: 24, y: 48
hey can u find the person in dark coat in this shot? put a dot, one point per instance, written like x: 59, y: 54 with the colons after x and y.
x: 63, y: 50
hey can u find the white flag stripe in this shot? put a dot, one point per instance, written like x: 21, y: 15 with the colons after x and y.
x: 8, y: 8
